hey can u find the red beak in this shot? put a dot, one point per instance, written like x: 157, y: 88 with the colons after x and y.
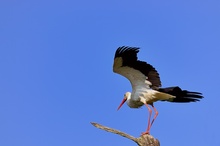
x: 123, y: 101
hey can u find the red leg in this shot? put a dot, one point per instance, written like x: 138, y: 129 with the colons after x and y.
x: 149, y: 125
x: 155, y: 116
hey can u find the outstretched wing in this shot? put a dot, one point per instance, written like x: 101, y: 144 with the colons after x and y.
x: 137, y: 72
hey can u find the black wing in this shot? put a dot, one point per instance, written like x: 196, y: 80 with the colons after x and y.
x: 127, y: 57
x: 182, y: 95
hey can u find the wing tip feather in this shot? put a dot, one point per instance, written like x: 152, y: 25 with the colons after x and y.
x: 126, y: 50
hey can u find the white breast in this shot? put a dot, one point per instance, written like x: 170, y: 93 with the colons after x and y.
x: 139, y: 96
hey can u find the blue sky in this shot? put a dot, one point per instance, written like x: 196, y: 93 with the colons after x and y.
x: 56, y: 70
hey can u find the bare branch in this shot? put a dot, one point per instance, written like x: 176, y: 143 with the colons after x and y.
x: 144, y: 140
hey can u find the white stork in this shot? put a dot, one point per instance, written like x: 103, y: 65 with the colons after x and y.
x: 146, y: 83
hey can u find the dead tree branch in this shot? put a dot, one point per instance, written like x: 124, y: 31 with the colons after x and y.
x: 143, y: 140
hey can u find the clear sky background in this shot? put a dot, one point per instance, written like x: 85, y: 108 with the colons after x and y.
x: 56, y: 70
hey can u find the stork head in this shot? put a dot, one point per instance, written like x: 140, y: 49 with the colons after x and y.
x: 127, y: 96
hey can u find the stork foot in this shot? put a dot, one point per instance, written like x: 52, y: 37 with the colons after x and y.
x: 147, y: 132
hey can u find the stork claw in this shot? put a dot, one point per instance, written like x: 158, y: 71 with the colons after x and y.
x: 147, y: 132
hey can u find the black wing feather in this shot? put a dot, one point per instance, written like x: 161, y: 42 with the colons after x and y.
x: 129, y: 57
x: 182, y: 95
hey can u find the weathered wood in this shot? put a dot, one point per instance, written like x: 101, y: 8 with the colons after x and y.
x: 143, y: 140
